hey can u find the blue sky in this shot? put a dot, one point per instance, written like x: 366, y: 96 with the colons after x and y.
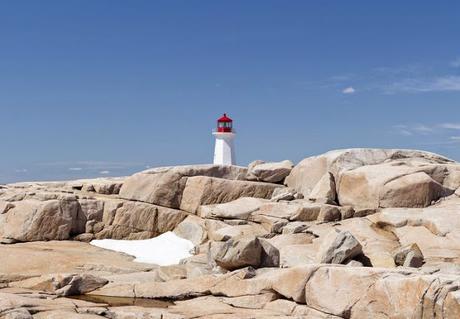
x: 107, y: 88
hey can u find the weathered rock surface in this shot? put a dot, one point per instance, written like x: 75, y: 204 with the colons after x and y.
x: 362, y: 176
x: 273, y: 172
x: 234, y: 254
x: 32, y: 220
x: 164, y: 186
x: 63, y: 284
x: 376, y: 236
x: 203, y: 190
x: 134, y: 220
x: 338, y: 247
x: 409, y: 256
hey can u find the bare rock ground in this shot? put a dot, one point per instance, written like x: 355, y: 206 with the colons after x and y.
x: 357, y: 233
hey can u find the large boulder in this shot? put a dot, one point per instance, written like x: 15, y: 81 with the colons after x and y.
x: 234, y: 254
x: 203, y: 190
x: 273, y: 172
x: 363, y: 176
x: 33, y: 220
x: 386, y: 185
x: 164, y: 186
x: 135, y: 220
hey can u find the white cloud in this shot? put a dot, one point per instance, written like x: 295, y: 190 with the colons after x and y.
x: 104, y: 172
x: 415, y: 129
x: 439, y: 84
x: 21, y: 170
x: 75, y: 168
x: 455, y: 63
x: 348, y: 90
x: 451, y: 126
x: 455, y: 138
x: 422, y: 129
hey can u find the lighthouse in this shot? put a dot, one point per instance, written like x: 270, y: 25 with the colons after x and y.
x: 224, y: 151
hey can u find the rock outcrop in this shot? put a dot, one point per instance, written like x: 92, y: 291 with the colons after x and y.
x: 274, y: 172
x: 359, y: 233
x: 373, y: 178
x: 164, y: 186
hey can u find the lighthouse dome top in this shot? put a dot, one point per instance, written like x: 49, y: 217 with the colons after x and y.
x: 224, y: 118
x: 225, y: 124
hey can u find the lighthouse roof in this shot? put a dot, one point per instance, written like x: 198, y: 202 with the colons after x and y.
x: 225, y: 118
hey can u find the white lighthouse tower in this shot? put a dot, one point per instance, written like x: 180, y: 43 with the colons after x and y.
x: 224, y: 151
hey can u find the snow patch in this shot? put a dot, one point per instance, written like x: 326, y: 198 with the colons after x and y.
x: 166, y: 249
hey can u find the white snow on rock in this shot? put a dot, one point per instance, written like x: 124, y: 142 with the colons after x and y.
x: 163, y: 250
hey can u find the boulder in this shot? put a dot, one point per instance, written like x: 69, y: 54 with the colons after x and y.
x: 234, y: 254
x: 386, y: 185
x: 63, y: 284
x: 324, y: 191
x: 192, y: 228
x: 203, y: 190
x: 308, y: 173
x: 135, y: 220
x: 329, y: 213
x: 273, y: 172
x: 295, y: 227
x: 338, y: 247
x: 285, y: 194
x: 89, y: 210
x: 104, y: 186
x: 85, y: 237
x: 32, y: 220
x: 270, y: 256
x: 164, y: 186
x: 240, y: 208
x: 409, y: 256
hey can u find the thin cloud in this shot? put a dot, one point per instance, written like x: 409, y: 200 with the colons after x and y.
x: 455, y: 63
x: 450, y: 126
x: 423, y: 129
x: 348, y: 90
x: 75, y: 168
x: 449, y: 83
x: 415, y: 129
x: 21, y: 170
x: 104, y: 172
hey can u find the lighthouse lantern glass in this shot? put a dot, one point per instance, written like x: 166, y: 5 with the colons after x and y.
x: 224, y: 124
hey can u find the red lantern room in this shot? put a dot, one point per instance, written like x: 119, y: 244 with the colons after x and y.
x: 224, y: 124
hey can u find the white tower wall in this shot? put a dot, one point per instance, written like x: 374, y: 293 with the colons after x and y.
x: 224, y: 151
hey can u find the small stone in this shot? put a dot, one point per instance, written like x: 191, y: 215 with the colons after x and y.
x: 354, y: 263
x: 329, y: 213
x: 409, y: 256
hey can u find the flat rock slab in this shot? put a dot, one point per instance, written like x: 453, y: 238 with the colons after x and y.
x: 39, y: 258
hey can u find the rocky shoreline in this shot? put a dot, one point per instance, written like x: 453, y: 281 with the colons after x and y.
x: 357, y: 233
